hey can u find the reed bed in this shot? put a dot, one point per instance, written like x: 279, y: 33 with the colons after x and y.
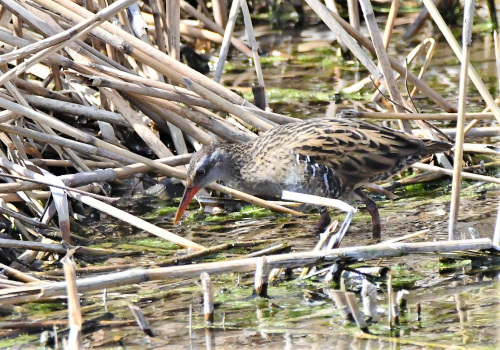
x: 79, y: 85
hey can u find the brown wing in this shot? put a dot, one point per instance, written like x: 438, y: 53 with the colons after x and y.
x: 357, y: 152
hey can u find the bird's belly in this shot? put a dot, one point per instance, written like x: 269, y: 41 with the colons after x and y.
x: 260, y: 188
x: 296, y: 179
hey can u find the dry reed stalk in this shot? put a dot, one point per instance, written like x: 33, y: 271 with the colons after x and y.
x: 344, y: 36
x: 496, y: 40
x: 369, y: 296
x: 398, y: 67
x: 340, y: 300
x: 390, y: 299
x: 172, y: 113
x: 39, y: 195
x: 76, y: 110
x: 56, y: 248
x: 430, y: 52
x: 173, y: 24
x: 141, y: 320
x: 255, y: 54
x: 393, y: 13
x: 184, y: 259
x: 167, y: 91
x: 496, y: 233
x: 474, y: 77
x: 200, y: 33
x: 51, y: 182
x: 157, y: 19
x: 144, y: 132
x: 270, y: 250
x: 220, y: 12
x: 74, y: 307
x: 460, y: 136
x: 261, y: 279
x: 137, y: 222
x: 486, y: 131
x: 208, y: 121
x: 45, y: 290
x: 356, y: 312
x: 383, y: 59
x: 17, y: 216
x: 215, y: 27
x: 228, y: 34
x: 352, y: 9
x: 208, y: 297
x: 18, y: 275
x: 412, y: 116
x: 465, y: 175
x: 409, y: 58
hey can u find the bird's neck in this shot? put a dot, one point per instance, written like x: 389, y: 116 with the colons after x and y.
x: 237, y: 157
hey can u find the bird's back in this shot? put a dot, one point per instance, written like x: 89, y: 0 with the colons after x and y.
x: 332, y: 156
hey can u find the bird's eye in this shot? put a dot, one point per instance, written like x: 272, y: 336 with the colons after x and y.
x: 200, y: 172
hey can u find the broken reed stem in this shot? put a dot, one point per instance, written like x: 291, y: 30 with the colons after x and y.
x: 474, y: 77
x: 141, y: 320
x: 253, y: 44
x: 390, y: 292
x: 118, y: 279
x: 261, y: 281
x: 74, y: 308
x: 208, y: 297
x: 340, y: 300
x: 496, y: 233
x: 356, y: 312
x: 460, y: 136
x: 369, y: 297
x: 383, y: 59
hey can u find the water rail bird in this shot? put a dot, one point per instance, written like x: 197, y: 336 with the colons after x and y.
x: 329, y: 157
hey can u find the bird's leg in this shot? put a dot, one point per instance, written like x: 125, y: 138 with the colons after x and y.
x: 324, y: 220
x: 373, y: 210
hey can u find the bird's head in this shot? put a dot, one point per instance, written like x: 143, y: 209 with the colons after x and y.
x: 207, y: 165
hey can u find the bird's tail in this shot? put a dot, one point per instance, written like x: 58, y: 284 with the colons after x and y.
x: 432, y: 146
